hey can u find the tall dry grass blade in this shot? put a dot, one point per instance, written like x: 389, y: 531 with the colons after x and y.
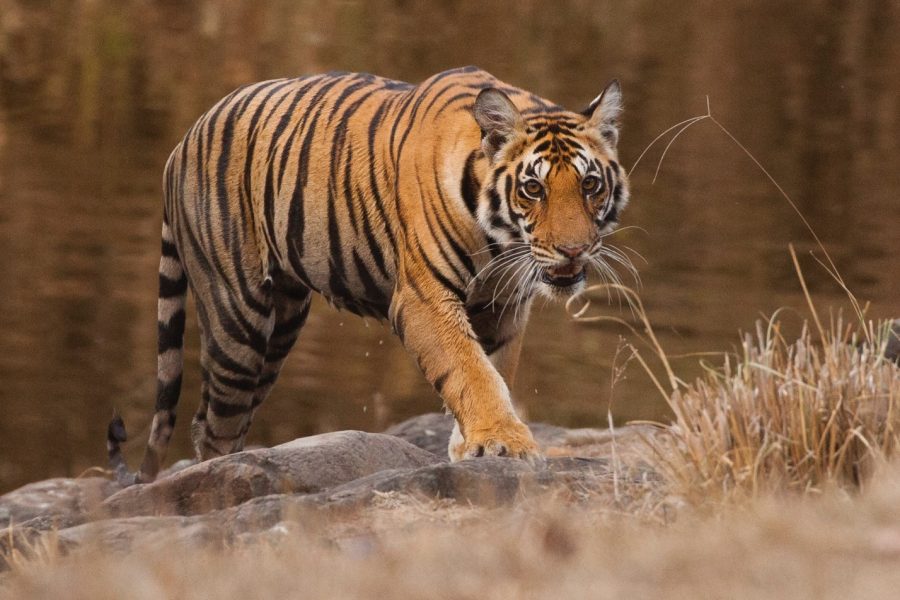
x: 809, y: 302
x: 634, y: 301
x: 831, y: 268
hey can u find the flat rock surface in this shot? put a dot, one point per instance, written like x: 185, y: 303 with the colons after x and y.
x: 305, y: 465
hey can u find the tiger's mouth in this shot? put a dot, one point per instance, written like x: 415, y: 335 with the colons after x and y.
x: 564, y: 276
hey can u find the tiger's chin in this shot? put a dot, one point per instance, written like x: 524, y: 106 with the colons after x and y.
x: 562, y: 282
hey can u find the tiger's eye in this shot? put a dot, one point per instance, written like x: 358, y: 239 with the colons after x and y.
x: 533, y: 188
x: 590, y: 184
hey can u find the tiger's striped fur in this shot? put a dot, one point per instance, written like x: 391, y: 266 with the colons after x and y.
x: 444, y: 207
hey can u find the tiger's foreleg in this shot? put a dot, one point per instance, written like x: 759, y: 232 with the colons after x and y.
x: 434, y: 327
x: 501, y: 333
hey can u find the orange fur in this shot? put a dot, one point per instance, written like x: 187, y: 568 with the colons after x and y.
x: 391, y: 200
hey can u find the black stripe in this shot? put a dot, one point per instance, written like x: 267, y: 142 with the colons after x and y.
x: 167, y: 393
x: 612, y: 216
x: 495, y: 199
x: 225, y: 410
x: 225, y: 225
x: 289, y: 326
x: 542, y: 147
x: 399, y: 324
x: 253, y: 134
x: 373, y: 180
x: 266, y: 380
x: 372, y: 243
x: 169, y: 250
x: 414, y: 286
x: 455, y: 236
x: 221, y: 358
x: 456, y: 290
x: 239, y: 328
x: 296, y: 213
x: 341, y: 127
x: 243, y: 384
x: 435, y: 97
x: 344, y: 95
x: 171, y: 288
x: 491, y: 346
x: 440, y: 381
x: 372, y: 291
x: 456, y: 98
x: 499, y: 223
x: 170, y: 335
x: 469, y: 184
x: 440, y: 246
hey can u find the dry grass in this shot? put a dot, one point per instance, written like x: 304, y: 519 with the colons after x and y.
x: 792, y: 416
x: 826, y: 547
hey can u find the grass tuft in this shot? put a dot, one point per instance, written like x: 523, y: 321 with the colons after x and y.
x: 795, y: 416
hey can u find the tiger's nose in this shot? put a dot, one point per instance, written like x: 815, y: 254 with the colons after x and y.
x: 572, y: 251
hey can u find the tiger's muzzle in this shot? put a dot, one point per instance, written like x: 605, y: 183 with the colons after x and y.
x: 569, y: 272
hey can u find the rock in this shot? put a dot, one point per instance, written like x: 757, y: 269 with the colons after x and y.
x: 892, y: 349
x: 121, y: 535
x: 306, y: 465
x: 485, y: 482
x: 59, y: 502
x: 330, y: 481
x: 488, y: 481
x: 181, y: 465
x: 431, y: 432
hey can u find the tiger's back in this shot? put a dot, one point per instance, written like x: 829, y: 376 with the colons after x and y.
x: 300, y: 177
x: 265, y: 172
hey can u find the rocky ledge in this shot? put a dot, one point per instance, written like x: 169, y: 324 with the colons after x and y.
x: 317, y: 479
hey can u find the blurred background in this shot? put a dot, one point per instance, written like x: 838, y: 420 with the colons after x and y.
x: 95, y: 93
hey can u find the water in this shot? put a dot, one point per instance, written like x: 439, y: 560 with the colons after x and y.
x: 94, y: 94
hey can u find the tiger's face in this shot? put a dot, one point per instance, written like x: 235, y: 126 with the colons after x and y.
x: 555, y: 189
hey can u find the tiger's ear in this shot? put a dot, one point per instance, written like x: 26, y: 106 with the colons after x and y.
x: 603, y: 113
x: 498, y: 118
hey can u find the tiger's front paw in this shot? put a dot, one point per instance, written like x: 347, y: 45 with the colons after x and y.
x: 508, y: 438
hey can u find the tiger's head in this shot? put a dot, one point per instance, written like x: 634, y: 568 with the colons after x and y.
x: 554, y: 188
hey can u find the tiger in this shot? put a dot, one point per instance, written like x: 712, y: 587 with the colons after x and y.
x: 444, y: 208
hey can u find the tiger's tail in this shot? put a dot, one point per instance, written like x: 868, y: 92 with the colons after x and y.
x: 173, y: 285
x: 115, y: 437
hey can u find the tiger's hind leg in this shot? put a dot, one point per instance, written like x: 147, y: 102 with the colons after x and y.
x: 291, y: 311
x: 221, y: 423
x: 235, y: 326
